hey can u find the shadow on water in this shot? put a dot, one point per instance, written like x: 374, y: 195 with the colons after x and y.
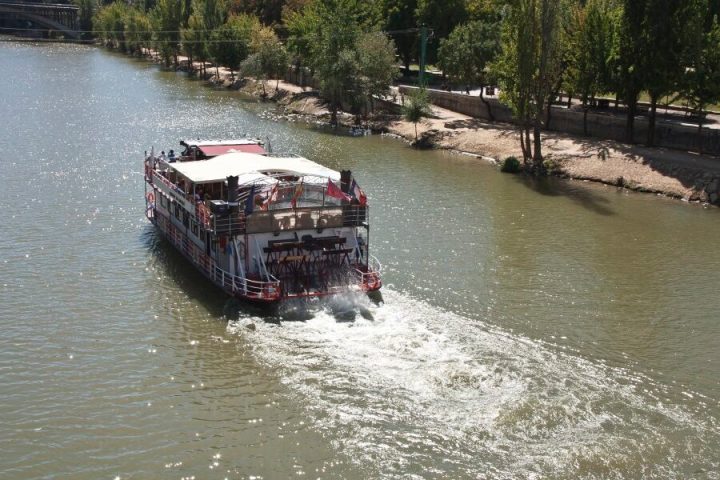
x: 554, y: 187
x: 344, y: 308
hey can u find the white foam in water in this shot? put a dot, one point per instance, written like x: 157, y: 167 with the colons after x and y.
x: 421, y: 392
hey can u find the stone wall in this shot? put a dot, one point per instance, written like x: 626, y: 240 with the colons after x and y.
x: 605, y: 126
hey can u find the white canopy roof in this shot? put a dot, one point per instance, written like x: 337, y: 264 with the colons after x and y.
x: 250, y: 167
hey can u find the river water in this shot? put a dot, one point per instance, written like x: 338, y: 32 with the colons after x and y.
x: 547, y: 329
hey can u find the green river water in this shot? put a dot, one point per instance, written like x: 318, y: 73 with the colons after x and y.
x: 530, y: 329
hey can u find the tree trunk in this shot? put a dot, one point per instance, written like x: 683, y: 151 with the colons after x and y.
x: 548, y: 111
x: 699, y: 132
x: 651, y: 120
x: 523, y: 147
x: 487, y: 105
x: 415, y: 132
x: 569, y: 101
x: 537, y: 153
x: 630, y: 124
x: 585, y: 115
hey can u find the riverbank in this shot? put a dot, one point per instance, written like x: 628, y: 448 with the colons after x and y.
x: 682, y: 175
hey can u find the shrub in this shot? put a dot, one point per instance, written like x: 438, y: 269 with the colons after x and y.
x: 510, y: 165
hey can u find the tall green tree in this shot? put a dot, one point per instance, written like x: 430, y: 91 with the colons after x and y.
x: 401, y: 19
x: 591, y: 49
x: 333, y: 52
x: 529, y: 56
x: 138, y: 31
x: 701, y: 85
x: 465, y: 55
x: 376, y: 65
x: 665, y: 39
x: 303, y: 29
x: 167, y: 19
x: 631, y: 51
x: 441, y: 16
x: 195, y: 40
x: 86, y: 10
x: 230, y: 43
x: 269, y: 58
x: 110, y: 22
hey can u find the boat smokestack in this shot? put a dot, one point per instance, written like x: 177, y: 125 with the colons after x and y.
x: 345, y: 179
x: 232, y: 192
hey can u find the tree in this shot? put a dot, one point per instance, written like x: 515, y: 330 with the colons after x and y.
x: 303, y: 27
x: 376, y: 64
x: 166, y: 19
x: 333, y: 52
x: 269, y: 58
x: 400, y: 15
x: 631, y: 78
x: 230, y: 43
x: 110, y: 21
x: 529, y: 56
x: 138, y: 31
x: 441, y: 16
x: 465, y: 55
x: 195, y: 40
x: 702, y: 79
x: 86, y: 9
x: 665, y: 43
x: 267, y: 11
x: 416, y: 107
x: 591, y: 48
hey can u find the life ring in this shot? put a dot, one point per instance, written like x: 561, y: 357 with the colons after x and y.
x: 151, y: 197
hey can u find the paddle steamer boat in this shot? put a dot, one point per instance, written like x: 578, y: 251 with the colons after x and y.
x: 263, y: 227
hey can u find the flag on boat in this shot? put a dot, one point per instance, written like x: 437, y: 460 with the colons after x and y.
x: 357, y: 193
x: 335, y: 192
x: 296, y: 195
x: 272, y: 197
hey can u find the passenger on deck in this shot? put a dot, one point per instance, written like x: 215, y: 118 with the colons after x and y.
x: 171, y: 156
x: 162, y: 156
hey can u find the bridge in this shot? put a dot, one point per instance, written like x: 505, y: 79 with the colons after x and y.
x: 39, y: 19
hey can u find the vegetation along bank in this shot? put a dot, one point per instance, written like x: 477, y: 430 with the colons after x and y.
x: 535, y: 51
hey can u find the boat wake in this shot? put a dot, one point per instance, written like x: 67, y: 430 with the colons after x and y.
x: 408, y: 389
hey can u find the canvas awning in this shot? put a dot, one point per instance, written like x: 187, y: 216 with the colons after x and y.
x: 250, y: 167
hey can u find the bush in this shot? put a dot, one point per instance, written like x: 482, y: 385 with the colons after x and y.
x: 510, y: 165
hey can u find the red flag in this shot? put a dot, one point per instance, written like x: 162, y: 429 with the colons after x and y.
x: 335, y: 192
